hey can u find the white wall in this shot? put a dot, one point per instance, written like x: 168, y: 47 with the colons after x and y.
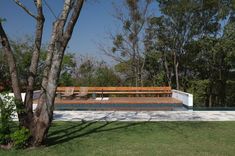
x: 36, y: 95
x: 12, y: 94
x: 23, y: 97
x: 186, y: 98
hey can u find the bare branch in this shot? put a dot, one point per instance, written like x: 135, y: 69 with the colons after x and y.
x: 25, y: 9
x: 66, y: 9
x: 108, y: 53
x: 65, y: 12
x: 50, y: 9
x: 73, y: 19
x: 35, y: 3
x: 35, y: 56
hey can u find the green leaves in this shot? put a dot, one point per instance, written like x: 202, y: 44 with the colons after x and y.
x: 7, y: 109
x: 118, y: 41
x: 127, y: 25
x: 20, y: 137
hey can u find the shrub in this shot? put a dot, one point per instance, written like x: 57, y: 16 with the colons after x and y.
x: 20, y: 137
x: 8, y: 134
x: 7, y: 109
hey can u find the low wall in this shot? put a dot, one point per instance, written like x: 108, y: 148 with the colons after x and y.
x: 186, y: 98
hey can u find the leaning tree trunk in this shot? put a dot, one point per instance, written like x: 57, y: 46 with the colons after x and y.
x: 24, y: 110
x: 44, y: 112
x: 14, y: 75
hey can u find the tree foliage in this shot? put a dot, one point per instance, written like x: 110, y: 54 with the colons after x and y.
x: 128, y: 47
x: 194, y: 40
x: 91, y: 72
x: 22, y: 50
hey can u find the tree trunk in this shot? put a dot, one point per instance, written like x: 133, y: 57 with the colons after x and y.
x: 60, y: 39
x: 39, y: 122
x: 142, y: 72
x: 14, y: 75
x: 176, y: 64
x: 167, y: 72
x: 47, y: 67
x: 33, y: 66
x: 177, y: 77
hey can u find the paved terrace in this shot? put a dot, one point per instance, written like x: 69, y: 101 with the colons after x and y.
x: 144, y: 115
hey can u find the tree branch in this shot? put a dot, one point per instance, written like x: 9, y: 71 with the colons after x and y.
x: 73, y: 19
x: 25, y: 9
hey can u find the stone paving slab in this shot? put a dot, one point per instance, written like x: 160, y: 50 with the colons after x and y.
x: 144, y: 115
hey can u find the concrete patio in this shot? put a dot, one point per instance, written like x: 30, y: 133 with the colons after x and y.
x: 144, y: 115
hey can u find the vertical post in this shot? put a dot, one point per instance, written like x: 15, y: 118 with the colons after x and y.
x: 102, y: 95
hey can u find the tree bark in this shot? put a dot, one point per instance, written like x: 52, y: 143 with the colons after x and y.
x: 59, y: 41
x: 39, y: 122
x: 33, y: 66
x: 14, y: 75
x: 177, y: 76
x: 167, y: 72
x: 176, y: 64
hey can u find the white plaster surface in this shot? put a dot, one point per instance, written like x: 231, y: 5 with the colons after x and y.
x: 186, y: 98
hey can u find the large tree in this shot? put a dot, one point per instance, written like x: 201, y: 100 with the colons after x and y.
x: 38, y: 122
x: 128, y: 47
x: 180, y: 23
x: 212, y: 61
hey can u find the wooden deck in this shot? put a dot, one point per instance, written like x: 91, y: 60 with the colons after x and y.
x: 122, y: 100
x: 119, y: 103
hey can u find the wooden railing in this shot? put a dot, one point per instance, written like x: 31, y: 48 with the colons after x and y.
x: 153, y: 91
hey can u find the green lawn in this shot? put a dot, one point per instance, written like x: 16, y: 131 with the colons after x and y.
x: 139, y: 138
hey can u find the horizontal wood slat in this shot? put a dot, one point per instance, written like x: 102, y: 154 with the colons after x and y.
x: 119, y: 90
x: 105, y: 92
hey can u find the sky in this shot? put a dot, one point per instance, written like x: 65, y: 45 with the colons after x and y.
x: 94, y: 22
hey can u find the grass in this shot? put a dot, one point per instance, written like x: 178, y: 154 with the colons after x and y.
x: 136, y: 138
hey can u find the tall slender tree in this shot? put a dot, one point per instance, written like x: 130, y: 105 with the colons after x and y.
x: 128, y: 45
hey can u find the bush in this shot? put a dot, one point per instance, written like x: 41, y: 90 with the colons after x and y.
x: 20, y: 137
x: 7, y: 109
x: 8, y: 134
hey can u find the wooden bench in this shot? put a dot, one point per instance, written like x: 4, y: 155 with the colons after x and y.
x: 127, y: 91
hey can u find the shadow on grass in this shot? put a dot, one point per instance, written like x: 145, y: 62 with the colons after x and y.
x: 64, y: 132
x: 76, y: 130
